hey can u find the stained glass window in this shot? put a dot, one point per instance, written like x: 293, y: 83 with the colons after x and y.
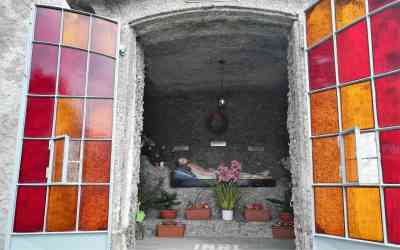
x: 348, y: 11
x: 357, y: 110
x: 324, y: 116
x: 386, y: 39
x: 64, y: 178
x: 319, y: 22
x: 353, y: 60
x: 322, y: 66
x: 364, y: 213
x: 388, y: 96
x: 326, y: 160
x: 329, y: 211
x: 354, y: 93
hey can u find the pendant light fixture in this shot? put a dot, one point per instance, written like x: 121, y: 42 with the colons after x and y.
x: 221, y: 99
x: 217, y: 122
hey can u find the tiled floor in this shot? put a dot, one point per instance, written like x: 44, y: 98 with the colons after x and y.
x: 214, y: 244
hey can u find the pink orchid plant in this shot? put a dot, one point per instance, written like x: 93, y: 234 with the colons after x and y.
x: 229, y: 173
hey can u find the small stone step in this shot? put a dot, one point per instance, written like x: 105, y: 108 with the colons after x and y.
x: 217, y: 228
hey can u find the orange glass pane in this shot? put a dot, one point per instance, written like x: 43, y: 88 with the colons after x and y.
x: 69, y: 117
x: 61, y: 211
x: 104, y: 37
x: 99, y: 118
x: 94, y: 208
x: 350, y: 158
x: 364, y: 214
x: 324, y: 114
x: 329, y: 216
x: 76, y: 30
x: 348, y: 11
x: 326, y: 160
x: 96, y: 165
x: 357, y: 108
x: 58, y: 160
x: 319, y: 22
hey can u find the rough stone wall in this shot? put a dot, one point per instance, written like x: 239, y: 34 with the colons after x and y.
x: 257, y: 117
x: 15, y: 25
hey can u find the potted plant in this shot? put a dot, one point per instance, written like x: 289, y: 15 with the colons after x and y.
x: 286, y: 214
x: 227, y: 189
x: 282, y: 230
x: 165, y: 203
x: 170, y: 229
x: 257, y: 212
x: 198, y: 210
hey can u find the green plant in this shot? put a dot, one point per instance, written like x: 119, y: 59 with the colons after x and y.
x: 155, y: 197
x: 227, y: 195
x: 286, y: 204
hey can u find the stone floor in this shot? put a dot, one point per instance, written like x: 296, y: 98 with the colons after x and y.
x: 188, y: 243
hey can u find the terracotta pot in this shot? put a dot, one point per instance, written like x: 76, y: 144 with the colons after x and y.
x: 283, y: 232
x: 198, y: 213
x: 286, y: 218
x: 251, y: 214
x: 168, y: 214
x: 172, y: 231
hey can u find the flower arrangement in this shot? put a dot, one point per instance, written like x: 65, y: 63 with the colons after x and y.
x: 227, y: 188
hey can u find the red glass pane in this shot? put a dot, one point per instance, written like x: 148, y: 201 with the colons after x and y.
x: 322, y: 65
x: 34, y: 161
x: 43, y: 69
x: 99, y: 118
x: 374, y: 4
x: 390, y: 153
x: 96, y: 165
x: 39, y: 117
x: 72, y: 72
x: 94, y: 208
x: 388, y: 100
x: 47, y: 26
x: 392, y: 198
x: 104, y: 37
x: 385, y: 29
x: 353, y: 53
x: 101, y: 76
x: 29, y: 210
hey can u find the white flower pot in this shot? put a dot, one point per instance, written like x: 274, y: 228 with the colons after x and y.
x: 227, y: 214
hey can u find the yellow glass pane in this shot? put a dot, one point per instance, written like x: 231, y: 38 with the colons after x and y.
x: 326, y: 160
x: 324, y: 114
x: 348, y: 11
x: 76, y: 30
x: 357, y: 106
x: 62, y: 207
x: 319, y: 22
x: 351, y: 158
x: 364, y: 214
x: 329, y: 216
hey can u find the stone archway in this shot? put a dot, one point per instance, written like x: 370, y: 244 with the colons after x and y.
x: 130, y: 108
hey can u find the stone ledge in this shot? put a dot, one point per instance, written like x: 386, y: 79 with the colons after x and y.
x: 217, y: 228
